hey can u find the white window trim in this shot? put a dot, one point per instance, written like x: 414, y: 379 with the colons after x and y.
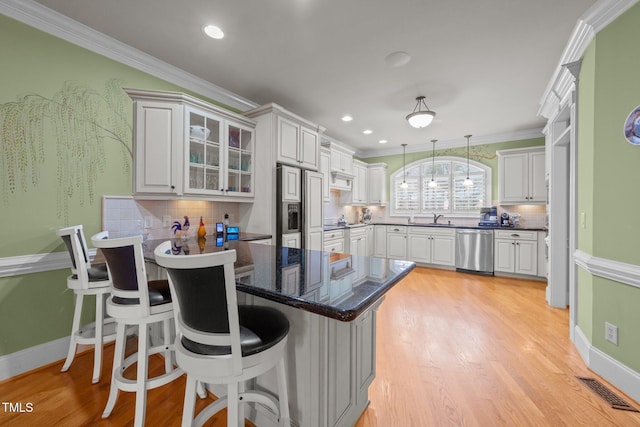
x: 400, y: 173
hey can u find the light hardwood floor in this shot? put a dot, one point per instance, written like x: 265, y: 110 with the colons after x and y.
x: 453, y: 350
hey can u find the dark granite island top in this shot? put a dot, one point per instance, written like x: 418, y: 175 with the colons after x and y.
x: 338, y: 286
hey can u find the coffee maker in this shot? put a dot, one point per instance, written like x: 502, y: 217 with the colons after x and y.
x: 366, y: 215
x: 489, y: 217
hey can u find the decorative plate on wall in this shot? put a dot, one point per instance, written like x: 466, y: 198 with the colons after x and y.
x: 632, y: 126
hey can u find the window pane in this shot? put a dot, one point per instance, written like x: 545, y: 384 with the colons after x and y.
x: 435, y: 199
x: 406, y: 198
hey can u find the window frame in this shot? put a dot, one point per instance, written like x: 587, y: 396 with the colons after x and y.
x: 451, y: 160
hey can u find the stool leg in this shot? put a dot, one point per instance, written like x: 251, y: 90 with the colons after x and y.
x: 188, y: 409
x: 141, y: 381
x: 241, y: 405
x: 232, y: 405
x: 77, y: 313
x: 201, y: 390
x: 118, y: 360
x: 168, y: 357
x: 283, y: 395
x: 97, y: 352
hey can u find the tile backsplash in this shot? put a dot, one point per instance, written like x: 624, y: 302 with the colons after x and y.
x: 125, y: 216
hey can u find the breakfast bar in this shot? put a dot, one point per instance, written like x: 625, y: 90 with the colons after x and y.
x: 331, y: 302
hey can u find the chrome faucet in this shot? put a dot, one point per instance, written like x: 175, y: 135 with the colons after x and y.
x: 436, y: 218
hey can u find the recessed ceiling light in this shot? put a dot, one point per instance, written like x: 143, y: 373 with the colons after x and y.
x: 347, y: 118
x: 367, y: 131
x: 383, y: 141
x: 397, y: 59
x: 213, y: 31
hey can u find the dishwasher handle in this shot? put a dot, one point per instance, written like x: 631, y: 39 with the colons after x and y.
x: 473, y: 231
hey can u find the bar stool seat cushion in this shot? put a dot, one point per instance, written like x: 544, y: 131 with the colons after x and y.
x: 97, y: 273
x: 260, y: 329
x: 159, y: 293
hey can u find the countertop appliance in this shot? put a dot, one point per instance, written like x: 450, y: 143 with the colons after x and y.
x: 474, y: 251
x: 489, y: 217
x: 366, y: 215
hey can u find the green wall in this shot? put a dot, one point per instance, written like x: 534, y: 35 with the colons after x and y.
x: 485, y: 154
x: 37, y: 308
x: 608, y: 173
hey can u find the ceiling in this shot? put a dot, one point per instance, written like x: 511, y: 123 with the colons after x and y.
x: 483, y: 66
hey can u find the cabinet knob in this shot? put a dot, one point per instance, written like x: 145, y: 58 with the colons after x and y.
x: 173, y: 187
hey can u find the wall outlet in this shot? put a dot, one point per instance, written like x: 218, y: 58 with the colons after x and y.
x: 148, y: 221
x: 611, y: 333
x: 583, y: 220
x: 166, y: 221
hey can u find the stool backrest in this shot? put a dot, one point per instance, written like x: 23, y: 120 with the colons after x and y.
x: 204, y: 289
x: 127, y: 270
x: 73, y: 238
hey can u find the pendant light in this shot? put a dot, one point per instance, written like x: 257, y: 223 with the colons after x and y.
x: 420, y: 118
x: 404, y: 167
x: 467, y: 182
x: 433, y: 183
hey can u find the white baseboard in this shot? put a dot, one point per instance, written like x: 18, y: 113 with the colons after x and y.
x: 33, y: 357
x: 623, y: 377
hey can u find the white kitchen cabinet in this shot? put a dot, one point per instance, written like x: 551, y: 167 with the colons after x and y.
x: 431, y: 245
x: 370, y: 239
x: 521, y: 176
x: 158, y: 129
x: 516, y: 251
x: 397, y: 242
x: 313, y: 216
x: 297, y: 145
x: 341, y: 166
x: 358, y: 246
x: 377, y: 179
x: 291, y: 184
x: 380, y: 241
x: 334, y: 241
x: 325, y: 169
x: 186, y: 147
x: 360, y: 186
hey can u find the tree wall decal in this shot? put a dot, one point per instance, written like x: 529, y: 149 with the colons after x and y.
x: 80, y: 121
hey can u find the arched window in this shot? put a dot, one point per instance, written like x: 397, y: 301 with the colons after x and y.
x: 449, y: 197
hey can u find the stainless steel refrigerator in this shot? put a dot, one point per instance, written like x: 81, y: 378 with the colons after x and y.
x: 299, y: 221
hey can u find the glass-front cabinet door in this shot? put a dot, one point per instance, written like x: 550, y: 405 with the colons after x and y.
x: 205, y: 153
x: 239, y: 174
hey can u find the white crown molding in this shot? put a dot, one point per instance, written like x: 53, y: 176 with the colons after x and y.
x: 454, y: 143
x: 40, y: 17
x: 593, y: 20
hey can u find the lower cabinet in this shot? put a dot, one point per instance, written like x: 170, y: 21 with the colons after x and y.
x: 330, y: 366
x: 516, y: 251
x: 431, y: 246
x: 396, y: 242
x: 334, y: 241
x: 380, y: 241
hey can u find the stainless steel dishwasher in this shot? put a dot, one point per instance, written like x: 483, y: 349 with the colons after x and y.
x: 474, y: 250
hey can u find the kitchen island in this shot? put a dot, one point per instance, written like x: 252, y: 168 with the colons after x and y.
x: 331, y: 302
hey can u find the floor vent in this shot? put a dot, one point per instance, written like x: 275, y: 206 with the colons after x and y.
x: 610, y: 397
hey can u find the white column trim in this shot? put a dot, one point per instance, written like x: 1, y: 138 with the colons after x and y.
x: 628, y: 274
x: 38, y: 16
x: 593, y: 20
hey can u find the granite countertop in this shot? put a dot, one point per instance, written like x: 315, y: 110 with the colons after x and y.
x: 426, y: 224
x: 340, y: 288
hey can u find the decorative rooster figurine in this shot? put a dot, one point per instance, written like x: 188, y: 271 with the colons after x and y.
x: 183, y: 229
x: 201, y: 230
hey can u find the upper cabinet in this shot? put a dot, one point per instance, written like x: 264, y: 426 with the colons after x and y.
x: 297, y: 145
x: 185, y: 147
x: 325, y: 169
x: 377, y: 179
x: 296, y: 140
x: 341, y: 166
x: 521, y: 176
